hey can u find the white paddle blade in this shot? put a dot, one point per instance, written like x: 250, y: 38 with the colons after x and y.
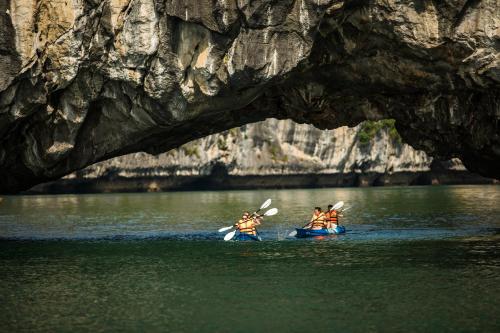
x: 266, y: 204
x: 229, y: 235
x: 343, y: 210
x: 271, y: 212
x: 338, y: 205
x: 293, y: 233
x: 225, y: 229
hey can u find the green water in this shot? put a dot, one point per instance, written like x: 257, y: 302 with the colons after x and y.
x: 414, y: 259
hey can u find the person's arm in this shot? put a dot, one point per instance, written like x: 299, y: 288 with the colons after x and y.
x: 309, y: 225
x: 257, y: 220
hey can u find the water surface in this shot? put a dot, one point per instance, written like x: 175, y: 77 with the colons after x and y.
x: 414, y: 259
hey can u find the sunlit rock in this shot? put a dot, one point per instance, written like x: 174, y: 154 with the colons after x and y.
x: 83, y: 80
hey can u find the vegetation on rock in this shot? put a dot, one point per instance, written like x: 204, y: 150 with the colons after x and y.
x: 370, y: 129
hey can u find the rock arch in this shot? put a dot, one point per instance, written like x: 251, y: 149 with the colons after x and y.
x: 89, y: 80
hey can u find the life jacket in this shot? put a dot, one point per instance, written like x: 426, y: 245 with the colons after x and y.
x: 319, y: 221
x: 247, y: 226
x: 332, y: 217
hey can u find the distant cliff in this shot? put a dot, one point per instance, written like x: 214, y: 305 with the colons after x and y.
x: 276, y: 147
x: 274, y: 153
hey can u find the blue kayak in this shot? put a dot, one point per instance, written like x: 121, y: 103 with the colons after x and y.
x: 246, y: 237
x: 301, y: 233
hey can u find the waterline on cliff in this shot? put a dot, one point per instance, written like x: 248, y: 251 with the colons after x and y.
x: 223, y: 181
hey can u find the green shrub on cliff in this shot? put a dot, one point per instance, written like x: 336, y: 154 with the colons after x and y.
x: 273, y: 150
x: 190, y: 149
x: 369, y: 129
x: 276, y: 153
x: 364, y: 137
x: 221, y: 144
x: 234, y: 132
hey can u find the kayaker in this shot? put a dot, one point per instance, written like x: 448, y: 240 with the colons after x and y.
x: 332, y: 217
x: 247, y: 224
x: 318, y: 220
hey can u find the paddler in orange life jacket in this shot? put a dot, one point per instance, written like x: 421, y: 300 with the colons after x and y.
x: 247, y: 224
x: 332, y: 217
x: 318, y: 220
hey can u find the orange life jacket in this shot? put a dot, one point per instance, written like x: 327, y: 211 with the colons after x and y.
x: 318, y: 221
x: 332, y: 217
x: 247, y: 226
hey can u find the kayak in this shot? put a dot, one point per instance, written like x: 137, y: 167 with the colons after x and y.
x: 246, y: 237
x: 301, y: 233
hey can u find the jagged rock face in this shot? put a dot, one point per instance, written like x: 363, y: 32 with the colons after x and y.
x: 273, y: 147
x: 86, y: 80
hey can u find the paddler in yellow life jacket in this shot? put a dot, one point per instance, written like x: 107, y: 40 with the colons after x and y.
x: 247, y: 224
x: 318, y: 220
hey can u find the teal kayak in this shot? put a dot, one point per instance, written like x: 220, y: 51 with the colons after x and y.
x: 302, y: 233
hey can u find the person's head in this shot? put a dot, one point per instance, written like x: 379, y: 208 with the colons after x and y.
x: 317, y: 209
x: 330, y: 207
x: 246, y: 215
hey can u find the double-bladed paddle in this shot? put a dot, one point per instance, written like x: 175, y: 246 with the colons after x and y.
x: 270, y: 212
x: 266, y: 204
x: 337, y: 206
x: 347, y: 208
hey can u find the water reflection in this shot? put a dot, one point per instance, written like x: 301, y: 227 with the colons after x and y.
x: 377, y: 213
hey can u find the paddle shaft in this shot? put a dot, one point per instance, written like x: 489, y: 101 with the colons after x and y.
x: 234, y: 225
x: 268, y: 201
x: 258, y: 210
x: 292, y: 233
x: 250, y: 218
x: 266, y: 204
x: 310, y: 222
x: 304, y: 225
x: 256, y: 231
x: 318, y: 218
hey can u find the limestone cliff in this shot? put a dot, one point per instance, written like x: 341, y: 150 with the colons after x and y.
x: 274, y: 147
x: 272, y: 154
x: 86, y: 80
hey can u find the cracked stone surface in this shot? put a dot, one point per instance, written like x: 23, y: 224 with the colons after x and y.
x: 273, y: 147
x: 84, y: 80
